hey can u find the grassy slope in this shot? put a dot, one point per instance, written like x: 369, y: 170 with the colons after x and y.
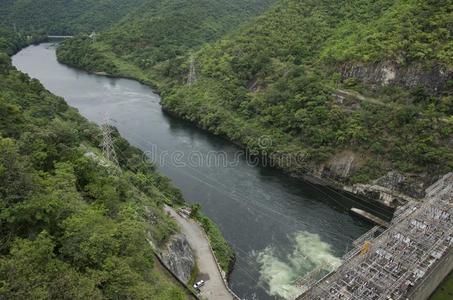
x: 71, y: 228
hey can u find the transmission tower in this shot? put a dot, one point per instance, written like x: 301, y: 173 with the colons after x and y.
x: 93, y: 36
x: 192, y: 78
x: 107, y: 144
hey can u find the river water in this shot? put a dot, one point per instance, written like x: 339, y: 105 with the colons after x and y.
x: 280, y: 227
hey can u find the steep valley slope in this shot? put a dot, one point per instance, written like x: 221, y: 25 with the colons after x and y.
x: 358, y: 93
x: 73, y: 225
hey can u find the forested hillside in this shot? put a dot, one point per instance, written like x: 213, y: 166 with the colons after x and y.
x: 63, y: 17
x: 72, y: 225
x: 366, y: 82
x: 10, y: 42
x: 284, y: 76
x: 158, y: 31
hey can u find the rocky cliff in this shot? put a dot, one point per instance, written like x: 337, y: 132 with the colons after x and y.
x: 178, y: 257
x: 394, y: 189
x: 434, y: 79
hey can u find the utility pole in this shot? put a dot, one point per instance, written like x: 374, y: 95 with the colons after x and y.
x: 192, y: 78
x: 107, y: 144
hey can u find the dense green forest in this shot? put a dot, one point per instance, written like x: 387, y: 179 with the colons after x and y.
x: 10, y: 42
x: 62, y: 17
x: 285, y: 76
x: 72, y: 225
x: 158, y: 31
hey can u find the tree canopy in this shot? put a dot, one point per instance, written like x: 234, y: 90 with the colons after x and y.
x: 71, y: 227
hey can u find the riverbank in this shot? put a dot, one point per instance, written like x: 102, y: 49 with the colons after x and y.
x: 210, y: 271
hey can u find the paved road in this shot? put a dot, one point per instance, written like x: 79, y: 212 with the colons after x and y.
x: 214, y: 289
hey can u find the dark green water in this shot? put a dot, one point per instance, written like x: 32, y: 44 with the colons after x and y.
x: 279, y: 227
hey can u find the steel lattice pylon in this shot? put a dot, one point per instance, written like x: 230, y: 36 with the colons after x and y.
x: 107, y: 144
x: 192, y: 78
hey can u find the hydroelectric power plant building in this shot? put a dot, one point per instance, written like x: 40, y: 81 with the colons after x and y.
x: 408, y: 260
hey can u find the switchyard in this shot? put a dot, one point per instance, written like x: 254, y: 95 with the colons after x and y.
x: 405, y: 261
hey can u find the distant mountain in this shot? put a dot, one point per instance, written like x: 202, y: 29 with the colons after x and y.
x: 161, y: 30
x: 64, y: 16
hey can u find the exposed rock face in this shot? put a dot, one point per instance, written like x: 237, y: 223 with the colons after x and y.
x: 385, y: 73
x: 178, y: 257
x: 393, y: 189
x: 340, y: 166
x: 379, y: 193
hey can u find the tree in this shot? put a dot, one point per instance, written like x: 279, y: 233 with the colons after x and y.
x: 31, y: 271
x: 195, y: 210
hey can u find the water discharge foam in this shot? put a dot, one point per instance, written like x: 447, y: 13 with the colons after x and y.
x: 279, y: 275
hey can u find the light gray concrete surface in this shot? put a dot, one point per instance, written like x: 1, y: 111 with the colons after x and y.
x: 215, y: 288
x: 432, y: 280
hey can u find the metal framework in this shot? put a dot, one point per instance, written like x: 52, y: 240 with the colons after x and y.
x: 192, y: 78
x: 107, y: 143
x: 419, y: 237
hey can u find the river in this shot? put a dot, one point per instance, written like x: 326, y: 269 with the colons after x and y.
x: 279, y: 227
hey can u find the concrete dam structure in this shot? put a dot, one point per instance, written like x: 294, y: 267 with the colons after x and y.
x: 408, y: 260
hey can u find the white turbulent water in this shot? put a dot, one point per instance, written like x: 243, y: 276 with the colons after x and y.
x: 280, y: 275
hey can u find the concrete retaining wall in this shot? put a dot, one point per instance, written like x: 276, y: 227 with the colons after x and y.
x: 432, y: 280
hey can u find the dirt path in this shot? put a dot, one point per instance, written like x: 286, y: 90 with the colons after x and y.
x: 214, y: 289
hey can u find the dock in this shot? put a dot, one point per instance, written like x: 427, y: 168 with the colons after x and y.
x: 370, y: 217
